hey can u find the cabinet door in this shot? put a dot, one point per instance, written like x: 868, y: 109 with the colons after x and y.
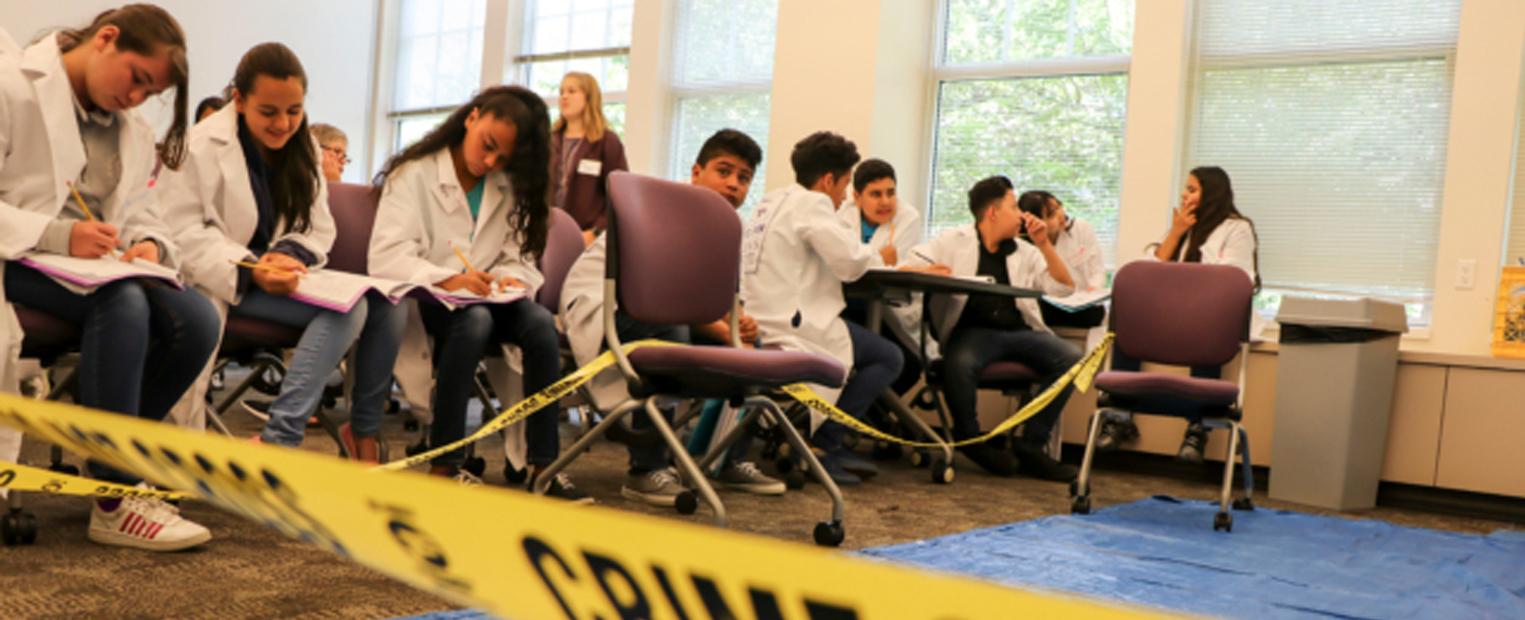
x: 1481, y: 432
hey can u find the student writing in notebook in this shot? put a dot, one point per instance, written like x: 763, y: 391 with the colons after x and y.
x: 252, y: 190
x: 67, y: 125
x: 977, y: 330
x: 478, y: 183
x: 1206, y: 228
x: 1078, y: 246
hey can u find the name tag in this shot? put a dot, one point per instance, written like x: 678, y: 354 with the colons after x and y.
x: 590, y: 167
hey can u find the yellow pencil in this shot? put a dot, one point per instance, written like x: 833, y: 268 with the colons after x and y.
x: 81, y: 200
x: 462, y: 256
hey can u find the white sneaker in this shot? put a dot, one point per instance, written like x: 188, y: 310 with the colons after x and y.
x: 658, y: 487
x: 145, y: 523
x: 745, y: 476
x: 467, y: 479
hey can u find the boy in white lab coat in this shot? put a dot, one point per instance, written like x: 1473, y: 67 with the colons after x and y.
x: 796, y: 255
x: 976, y: 330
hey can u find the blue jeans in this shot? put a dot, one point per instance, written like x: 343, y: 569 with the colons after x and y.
x: 461, y: 338
x: 326, y: 337
x: 142, y: 343
x: 876, y: 363
x: 647, y: 455
x: 970, y: 350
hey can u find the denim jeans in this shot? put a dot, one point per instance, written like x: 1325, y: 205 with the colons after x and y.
x: 970, y: 350
x: 649, y: 455
x: 876, y: 363
x: 461, y: 338
x: 142, y: 343
x: 326, y: 337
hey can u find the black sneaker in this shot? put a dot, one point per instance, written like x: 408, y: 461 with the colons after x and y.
x: 991, y: 459
x: 1193, y: 443
x: 1034, y: 461
x: 1114, y: 433
x: 563, y: 489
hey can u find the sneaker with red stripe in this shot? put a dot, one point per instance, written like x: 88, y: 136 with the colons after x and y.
x: 145, y: 523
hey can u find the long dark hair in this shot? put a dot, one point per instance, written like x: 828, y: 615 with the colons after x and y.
x: 528, y: 167
x: 144, y: 28
x: 294, y: 168
x: 1215, y: 207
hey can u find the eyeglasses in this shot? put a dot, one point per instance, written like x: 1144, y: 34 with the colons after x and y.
x: 338, y: 153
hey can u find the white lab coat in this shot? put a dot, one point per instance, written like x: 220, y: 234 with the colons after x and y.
x: 1081, y: 251
x: 959, y: 249
x: 1231, y: 243
x: 40, y: 152
x: 211, y: 207
x: 582, y: 312
x: 906, y: 321
x: 423, y: 211
x: 796, y: 254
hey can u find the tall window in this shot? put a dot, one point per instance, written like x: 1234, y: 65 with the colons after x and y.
x: 439, y: 63
x: 1331, y: 119
x: 722, y: 73
x: 1514, y: 250
x: 1035, y: 90
x: 591, y: 36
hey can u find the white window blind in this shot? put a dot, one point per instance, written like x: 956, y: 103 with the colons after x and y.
x: 1331, y: 120
x: 591, y: 36
x: 722, y: 74
x: 438, y: 65
x: 1035, y: 90
x: 1514, y: 251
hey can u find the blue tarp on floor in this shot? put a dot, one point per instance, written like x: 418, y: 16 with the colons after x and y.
x: 1163, y: 552
x: 1276, y: 564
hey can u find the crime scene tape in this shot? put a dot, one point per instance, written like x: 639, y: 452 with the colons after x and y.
x: 522, y: 556
x: 1081, y: 374
x: 22, y: 478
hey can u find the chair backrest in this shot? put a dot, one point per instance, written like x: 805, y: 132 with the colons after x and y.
x: 674, y: 250
x: 563, y: 244
x: 1182, y: 314
x: 354, y: 210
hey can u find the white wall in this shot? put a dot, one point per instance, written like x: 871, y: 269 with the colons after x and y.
x: 334, y: 38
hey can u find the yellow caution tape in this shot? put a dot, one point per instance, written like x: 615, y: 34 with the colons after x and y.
x: 1081, y: 374
x: 22, y: 478
x: 518, y: 555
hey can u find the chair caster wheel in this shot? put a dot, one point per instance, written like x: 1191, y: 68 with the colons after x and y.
x: 476, y: 465
x: 919, y: 458
x: 1080, y: 505
x: 1223, y: 522
x: 18, y: 527
x: 794, y: 480
x: 942, y: 473
x: 829, y: 534
x: 1244, y: 503
x: 686, y: 503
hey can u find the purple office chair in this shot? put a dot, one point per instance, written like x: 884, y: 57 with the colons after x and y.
x: 1007, y: 377
x: 258, y: 344
x: 45, y: 338
x: 1178, y: 314
x: 674, y: 258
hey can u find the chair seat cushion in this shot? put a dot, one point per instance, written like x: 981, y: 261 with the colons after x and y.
x: 1158, y: 385
x: 44, y: 332
x: 244, y: 332
x: 719, y: 371
x: 997, y: 375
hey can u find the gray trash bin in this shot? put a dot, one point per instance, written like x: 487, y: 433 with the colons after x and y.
x: 1334, y: 392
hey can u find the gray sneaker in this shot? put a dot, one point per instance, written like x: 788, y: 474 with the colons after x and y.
x: 658, y: 487
x: 745, y: 476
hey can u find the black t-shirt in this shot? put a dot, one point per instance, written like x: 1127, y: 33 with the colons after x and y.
x: 993, y: 311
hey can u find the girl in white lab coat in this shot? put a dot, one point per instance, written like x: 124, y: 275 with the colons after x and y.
x: 477, y: 183
x: 1078, y: 246
x: 252, y: 190
x: 66, y: 124
x: 1207, y: 228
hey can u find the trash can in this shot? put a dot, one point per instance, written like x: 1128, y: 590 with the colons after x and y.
x: 1334, y: 392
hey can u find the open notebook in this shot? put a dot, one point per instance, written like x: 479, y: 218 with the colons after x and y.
x: 340, y: 291
x: 83, y: 275
x: 1081, y: 300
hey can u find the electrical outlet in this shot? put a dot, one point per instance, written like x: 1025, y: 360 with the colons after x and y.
x: 1466, y: 272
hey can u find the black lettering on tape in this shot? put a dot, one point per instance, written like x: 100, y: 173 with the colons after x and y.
x: 536, y: 551
x: 421, y: 546
x: 7, y: 476
x: 764, y: 604
x: 603, y: 568
x: 672, y: 597
x: 818, y: 610
x: 714, y: 602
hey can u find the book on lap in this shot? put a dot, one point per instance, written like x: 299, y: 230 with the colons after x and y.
x: 83, y: 275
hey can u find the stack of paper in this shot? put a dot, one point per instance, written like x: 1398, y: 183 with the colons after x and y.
x: 340, y: 291
x: 1080, y: 300
x: 83, y: 275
